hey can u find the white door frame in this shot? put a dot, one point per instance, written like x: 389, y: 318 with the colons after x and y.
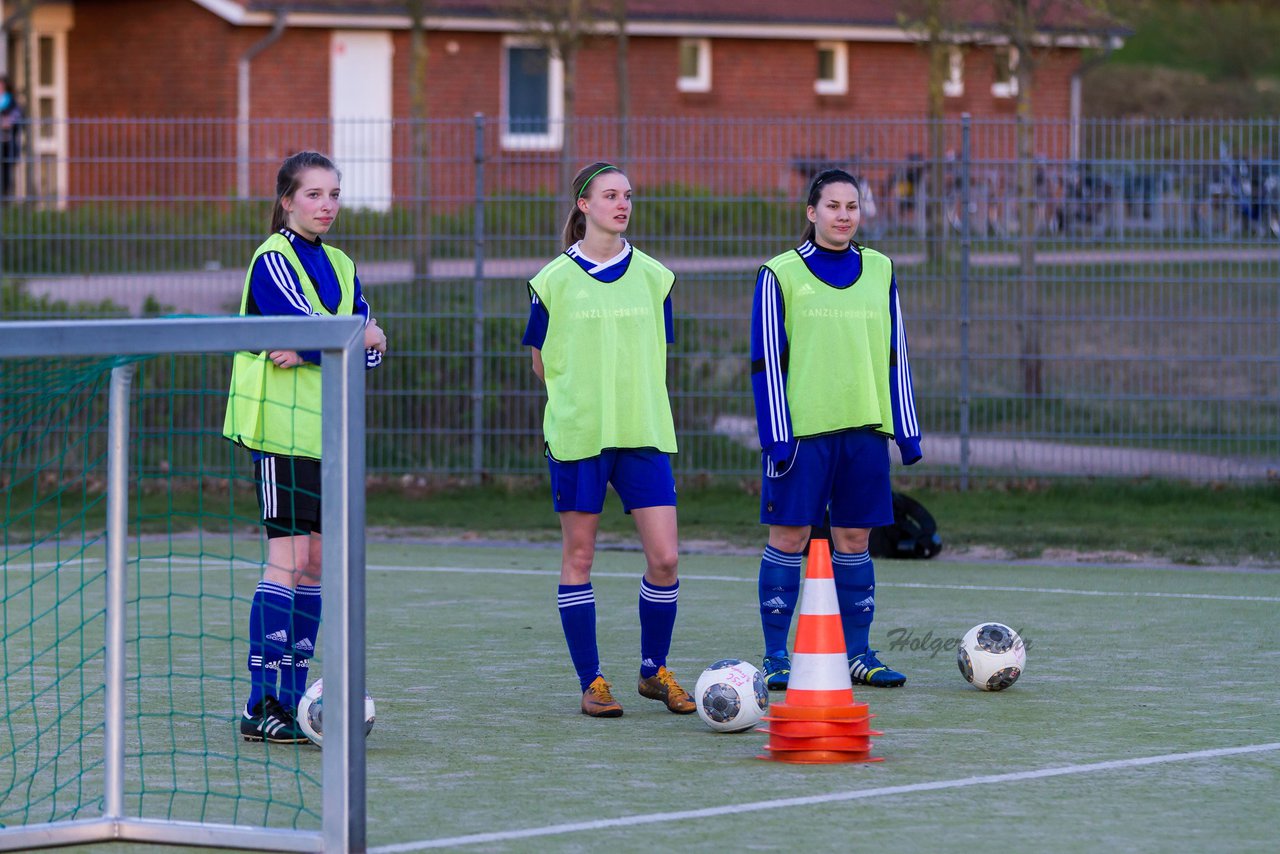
x: 360, y: 82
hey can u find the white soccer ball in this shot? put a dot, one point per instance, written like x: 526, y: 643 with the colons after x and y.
x: 731, y: 696
x: 991, y: 656
x: 311, y: 712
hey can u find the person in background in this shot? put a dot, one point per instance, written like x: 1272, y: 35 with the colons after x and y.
x: 11, y: 118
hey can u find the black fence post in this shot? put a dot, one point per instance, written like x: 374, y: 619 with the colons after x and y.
x: 477, y: 304
x: 965, y: 249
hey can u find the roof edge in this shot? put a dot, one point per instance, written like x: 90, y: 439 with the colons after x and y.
x: 236, y: 14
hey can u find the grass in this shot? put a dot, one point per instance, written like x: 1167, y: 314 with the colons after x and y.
x: 1176, y: 523
x: 1101, y: 745
x: 1098, y: 520
x: 1123, y: 521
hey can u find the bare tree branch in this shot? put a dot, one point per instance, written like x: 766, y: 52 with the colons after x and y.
x: 563, y: 27
x: 619, y: 14
x: 419, y: 112
x: 941, y: 27
x: 1029, y: 26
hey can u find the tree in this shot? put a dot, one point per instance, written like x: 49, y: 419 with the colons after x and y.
x: 419, y: 112
x: 619, y: 12
x: 1027, y: 27
x: 1020, y: 24
x: 562, y: 27
x: 941, y: 27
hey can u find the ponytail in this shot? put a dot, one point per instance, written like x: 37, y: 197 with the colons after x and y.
x: 575, y: 226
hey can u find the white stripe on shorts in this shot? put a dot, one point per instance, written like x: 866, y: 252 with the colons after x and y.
x: 270, y: 499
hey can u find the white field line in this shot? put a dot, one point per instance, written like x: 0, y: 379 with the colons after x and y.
x: 811, y: 800
x: 1146, y: 593
x: 195, y: 564
x: 740, y: 580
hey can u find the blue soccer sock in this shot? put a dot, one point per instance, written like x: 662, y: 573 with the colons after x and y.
x: 303, y: 631
x: 657, y: 622
x: 269, y: 618
x: 779, y: 589
x: 577, y: 604
x: 855, y: 576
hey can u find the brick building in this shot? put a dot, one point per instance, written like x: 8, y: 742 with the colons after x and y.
x: 146, y: 97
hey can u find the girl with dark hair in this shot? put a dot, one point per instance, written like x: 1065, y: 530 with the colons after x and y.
x: 273, y: 409
x: 831, y: 385
x: 599, y: 326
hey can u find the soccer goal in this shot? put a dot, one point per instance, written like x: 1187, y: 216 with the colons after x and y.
x: 130, y: 556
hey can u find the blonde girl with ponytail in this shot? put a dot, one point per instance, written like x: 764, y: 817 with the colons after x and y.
x: 599, y: 326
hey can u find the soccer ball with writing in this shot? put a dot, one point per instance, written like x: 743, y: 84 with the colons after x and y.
x: 991, y: 656
x: 731, y: 696
x: 311, y: 712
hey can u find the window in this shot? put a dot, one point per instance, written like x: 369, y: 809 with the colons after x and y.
x: 833, y: 69
x: 1005, y: 84
x: 47, y: 51
x: 953, y: 86
x: 533, y: 114
x: 695, y: 65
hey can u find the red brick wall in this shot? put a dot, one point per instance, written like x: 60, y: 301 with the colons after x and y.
x: 745, y: 126
x: 172, y: 60
x: 463, y: 72
x: 130, y: 58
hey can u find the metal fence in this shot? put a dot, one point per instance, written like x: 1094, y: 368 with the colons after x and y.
x: 1106, y: 305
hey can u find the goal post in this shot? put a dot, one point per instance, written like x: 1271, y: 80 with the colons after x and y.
x: 342, y: 798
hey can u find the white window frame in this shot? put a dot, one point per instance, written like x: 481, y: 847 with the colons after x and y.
x: 1006, y: 88
x: 554, y: 137
x: 701, y: 82
x: 839, y: 84
x: 953, y: 86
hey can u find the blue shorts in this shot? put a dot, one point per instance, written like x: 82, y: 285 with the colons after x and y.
x: 846, y: 471
x: 642, y: 478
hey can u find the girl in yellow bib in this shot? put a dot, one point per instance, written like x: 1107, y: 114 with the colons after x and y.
x: 832, y: 386
x: 274, y: 411
x: 599, y: 326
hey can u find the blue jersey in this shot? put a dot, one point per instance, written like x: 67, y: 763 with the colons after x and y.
x: 535, y: 333
x: 274, y: 288
x: 769, y: 355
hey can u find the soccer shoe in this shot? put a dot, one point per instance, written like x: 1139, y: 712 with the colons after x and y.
x: 598, y: 702
x: 270, y: 721
x: 663, y: 686
x: 777, y: 670
x: 866, y: 669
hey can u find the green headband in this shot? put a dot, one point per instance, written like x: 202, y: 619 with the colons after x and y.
x: 587, y: 183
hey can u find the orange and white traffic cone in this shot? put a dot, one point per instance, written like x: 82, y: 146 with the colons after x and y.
x: 819, y: 721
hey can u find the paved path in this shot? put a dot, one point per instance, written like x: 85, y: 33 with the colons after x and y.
x: 1028, y: 457
x: 218, y: 291
x: 1059, y: 458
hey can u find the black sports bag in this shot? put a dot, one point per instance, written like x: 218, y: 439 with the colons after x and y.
x: 913, y: 534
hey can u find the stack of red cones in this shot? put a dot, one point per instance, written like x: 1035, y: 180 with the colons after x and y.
x: 819, y: 721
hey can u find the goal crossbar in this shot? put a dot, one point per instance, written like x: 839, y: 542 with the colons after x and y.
x: 341, y: 341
